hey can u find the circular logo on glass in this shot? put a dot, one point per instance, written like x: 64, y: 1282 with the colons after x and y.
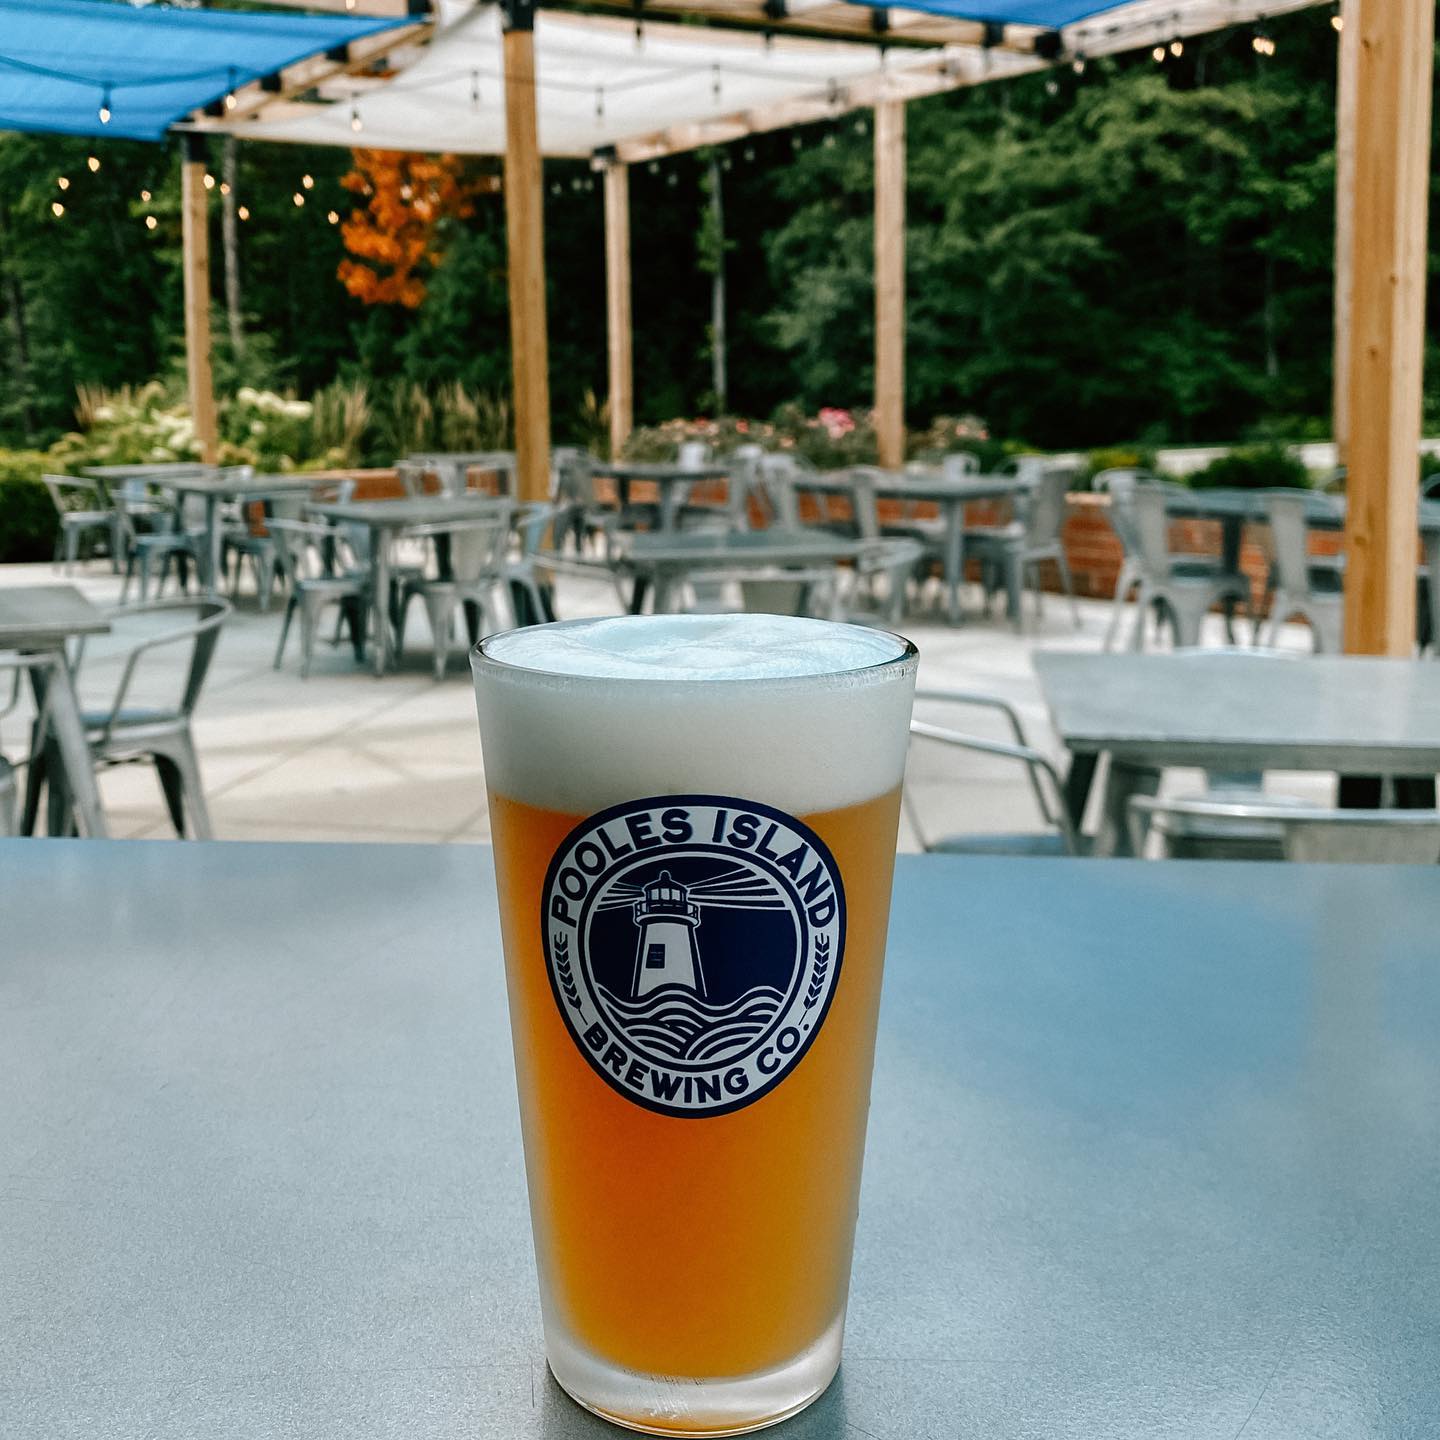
x: 693, y: 943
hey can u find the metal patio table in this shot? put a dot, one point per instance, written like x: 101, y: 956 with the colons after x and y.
x: 38, y: 620
x: 672, y: 480
x: 1347, y: 714
x: 1153, y: 1151
x: 215, y: 489
x: 659, y: 561
x: 385, y: 519
x: 453, y: 466
x: 952, y: 495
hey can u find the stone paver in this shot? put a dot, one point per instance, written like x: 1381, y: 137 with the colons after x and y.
x: 344, y: 756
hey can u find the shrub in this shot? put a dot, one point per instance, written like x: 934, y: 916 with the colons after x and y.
x: 1119, y: 457
x: 1253, y: 467
x: 27, y: 518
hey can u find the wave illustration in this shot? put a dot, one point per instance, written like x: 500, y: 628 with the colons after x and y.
x: 675, y: 1022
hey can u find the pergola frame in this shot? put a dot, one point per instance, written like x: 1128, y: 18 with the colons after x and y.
x: 1383, y: 134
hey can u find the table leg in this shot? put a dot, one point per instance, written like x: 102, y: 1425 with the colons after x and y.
x: 55, y: 696
x: 670, y: 503
x: 1112, y: 838
x: 380, y: 554
x: 1232, y: 533
x: 1077, y: 786
x: 954, y: 557
x: 213, y: 537
x: 637, y: 594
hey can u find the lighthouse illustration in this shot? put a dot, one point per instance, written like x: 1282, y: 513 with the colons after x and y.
x: 667, y: 953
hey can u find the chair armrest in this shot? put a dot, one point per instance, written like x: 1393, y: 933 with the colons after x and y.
x: 982, y: 700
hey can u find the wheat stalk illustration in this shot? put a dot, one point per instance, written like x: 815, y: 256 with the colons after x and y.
x: 817, y: 977
x: 563, y: 971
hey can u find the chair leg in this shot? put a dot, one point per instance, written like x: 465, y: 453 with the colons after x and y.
x: 290, y: 605
x: 174, y: 790
x: 1068, y: 582
x: 188, y: 765
x: 72, y: 547
x: 310, y: 607
x: 1015, y: 589
x: 1123, y: 584
x: 355, y: 611
x: 1281, y: 609
x: 440, y: 608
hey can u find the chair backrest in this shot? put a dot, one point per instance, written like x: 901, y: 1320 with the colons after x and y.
x: 1151, y: 521
x: 478, y: 549
x: 959, y: 464
x: 530, y: 523
x: 64, y: 488
x: 412, y: 475
x: 301, y: 547
x: 200, y: 624
x: 773, y: 484
x: 854, y: 489
x: 1047, y: 507
x: 1353, y: 837
x: 692, y: 454
x: 1288, y: 513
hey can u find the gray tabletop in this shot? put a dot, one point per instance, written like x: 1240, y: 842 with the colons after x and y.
x: 239, y: 486
x: 944, y: 489
x: 396, y: 514
x: 1325, y: 511
x: 1303, y: 713
x: 660, y: 471
x: 260, y: 1170
x: 36, y: 615
x: 164, y: 470
x: 637, y: 550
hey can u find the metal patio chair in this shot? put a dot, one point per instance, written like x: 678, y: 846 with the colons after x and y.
x: 251, y: 539
x: 1180, y: 589
x: 1059, y: 838
x: 93, y: 516
x: 1298, y: 584
x: 161, y: 734
x: 1011, y: 553
x: 532, y: 597
x: 307, y: 553
x: 476, y: 585
x: 173, y: 530
x: 1285, y: 830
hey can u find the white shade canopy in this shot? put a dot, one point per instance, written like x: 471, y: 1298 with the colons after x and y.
x: 603, y: 84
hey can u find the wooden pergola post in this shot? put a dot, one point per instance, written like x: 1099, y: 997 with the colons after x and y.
x: 890, y: 282
x: 1344, y: 217
x: 1394, y: 61
x: 195, y: 270
x: 525, y: 236
x: 617, y: 305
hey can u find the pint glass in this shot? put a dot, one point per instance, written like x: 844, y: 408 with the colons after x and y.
x: 694, y: 827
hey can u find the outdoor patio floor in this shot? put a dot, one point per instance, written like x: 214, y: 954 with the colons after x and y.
x: 346, y: 756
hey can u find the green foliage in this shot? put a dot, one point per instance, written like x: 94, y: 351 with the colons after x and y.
x: 1253, y: 467
x: 27, y: 516
x: 1119, y: 457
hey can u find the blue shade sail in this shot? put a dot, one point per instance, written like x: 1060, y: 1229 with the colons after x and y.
x: 65, y: 62
x: 1047, y: 14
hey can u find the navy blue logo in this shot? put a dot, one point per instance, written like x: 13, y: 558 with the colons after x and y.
x: 694, y: 943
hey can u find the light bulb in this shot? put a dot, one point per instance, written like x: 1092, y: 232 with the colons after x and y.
x: 298, y: 198
x: 1078, y: 64
x: 209, y: 182
x: 145, y: 196
x: 1337, y: 22
x: 151, y: 222
x: 243, y: 212
x: 63, y: 182
x: 308, y: 181
x: 230, y: 101
x: 333, y: 217
x: 1177, y: 48
x: 355, y: 123
x: 224, y: 188
x: 104, y: 113
x: 1158, y: 54
x: 56, y: 209
x: 94, y: 163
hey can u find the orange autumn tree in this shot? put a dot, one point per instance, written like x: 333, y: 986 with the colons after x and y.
x: 393, y: 237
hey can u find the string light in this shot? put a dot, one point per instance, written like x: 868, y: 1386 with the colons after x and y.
x: 349, y: 4
x: 63, y: 182
x: 209, y: 181
x: 230, y: 101
x: 145, y: 196
x: 93, y: 162
x: 56, y: 209
x: 1262, y: 44
x: 1177, y: 47
x: 243, y: 212
x: 151, y: 222
x: 298, y: 198
x: 333, y: 217
x: 224, y: 188
x: 1158, y: 54
x: 308, y: 181
x: 1337, y: 22
x: 1052, y: 87
x: 104, y: 111
x: 1078, y: 63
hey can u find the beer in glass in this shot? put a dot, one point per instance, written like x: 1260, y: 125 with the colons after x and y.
x: 694, y: 825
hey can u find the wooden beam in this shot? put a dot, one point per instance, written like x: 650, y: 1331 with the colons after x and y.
x: 1348, y: 50
x: 1393, y: 71
x: 195, y: 270
x: 525, y: 235
x: 617, y: 306
x: 890, y: 282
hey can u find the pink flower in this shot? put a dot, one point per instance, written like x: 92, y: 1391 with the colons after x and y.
x: 742, y: 427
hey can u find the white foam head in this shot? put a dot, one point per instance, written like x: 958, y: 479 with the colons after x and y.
x: 802, y: 714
